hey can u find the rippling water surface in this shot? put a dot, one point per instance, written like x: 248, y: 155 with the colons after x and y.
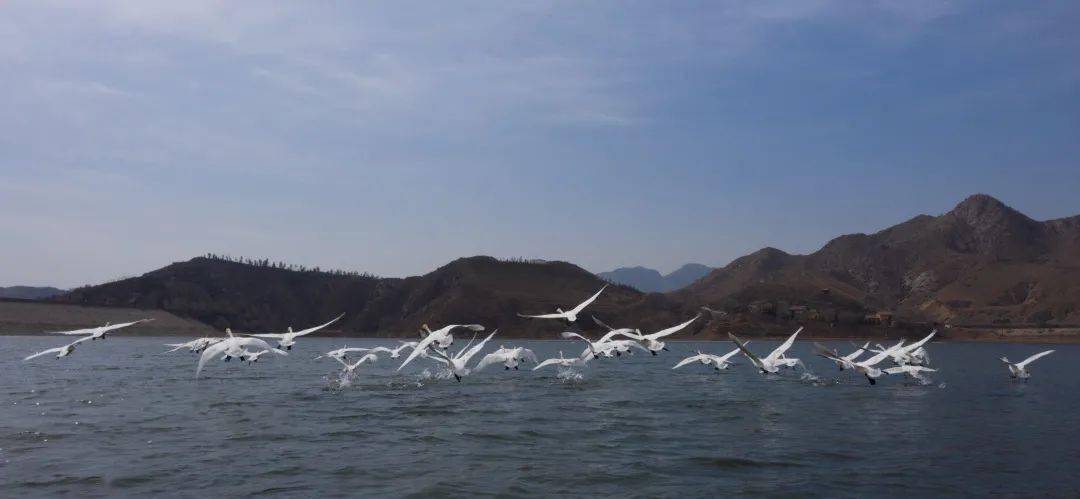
x: 123, y: 418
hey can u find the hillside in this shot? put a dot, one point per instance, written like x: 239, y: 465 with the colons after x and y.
x: 477, y: 289
x: 652, y: 281
x: 982, y: 263
x: 980, y: 267
x: 29, y: 292
x: 24, y: 317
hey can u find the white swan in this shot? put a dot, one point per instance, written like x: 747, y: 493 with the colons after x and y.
x: 569, y: 315
x: 906, y: 354
x: 61, y: 351
x: 458, y: 363
x: 288, y: 339
x: 342, y: 353
x: 196, y: 346
x: 563, y: 361
x: 616, y: 348
x: 1019, y: 369
x: 96, y: 333
x: 914, y: 372
x: 233, y: 346
x: 652, y: 341
x: 612, y: 332
x: 843, y: 361
x: 349, y: 368
x: 772, y: 363
x: 394, y: 352
x: 510, y: 358
x: 866, y: 367
x: 253, y: 357
x: 442, y: 338
x: 604, y: 346
x: 719, y: 362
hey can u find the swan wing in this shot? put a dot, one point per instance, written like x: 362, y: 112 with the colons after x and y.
x: 421, y: 346
x: 1033, y: 358
x: 211, y: 352
x: 591, y: 299
x: 316, y: 328
x: 691, y: 359
x: 543, y: 316
x: 742, y: 348
x: 476, y: 348
x: 44, y: 352
x: 775, y: 355
x: 491, y: 358
x: 672, y: 330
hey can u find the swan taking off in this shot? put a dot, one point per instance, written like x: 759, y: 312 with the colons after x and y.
x: 62, y: 351
x: 604, y: 346
x: 233, y: 346
x: 564, y: 361
x: 458, y: 363
x: 719, y: 362
x: 394, y: 352
x: 913, y: 372
x: 652, y: 341
x: 287, y: 340
x: 866, y: 367
x: 842, y: 362
x: 99, y: 332
x: 349, y: 368
x: 772, y: 363
x: 510, y: 358
x: 442, y: 338
x: 1019, y: 369
x: 196, y: 346
x: 569, y: 315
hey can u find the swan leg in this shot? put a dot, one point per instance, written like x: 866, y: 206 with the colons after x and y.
x: 653, y: 352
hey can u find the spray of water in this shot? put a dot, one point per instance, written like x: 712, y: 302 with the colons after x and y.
x: 569, y: 375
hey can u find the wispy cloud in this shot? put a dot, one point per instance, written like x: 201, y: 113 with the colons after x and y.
x: 398, y: 122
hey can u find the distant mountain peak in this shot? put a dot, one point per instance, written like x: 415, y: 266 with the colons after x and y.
x: 652, y: 281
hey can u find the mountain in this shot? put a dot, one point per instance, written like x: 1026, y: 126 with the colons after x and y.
x: 251, y: 297
x: 980, y: 266
x: 652, y: 281
x: 29, y: 292
x: 982, y: 263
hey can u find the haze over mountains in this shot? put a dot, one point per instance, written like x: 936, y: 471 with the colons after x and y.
x: 980, y: 263
x: 652, y: 281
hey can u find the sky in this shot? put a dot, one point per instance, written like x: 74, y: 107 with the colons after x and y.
x: 393, y: 137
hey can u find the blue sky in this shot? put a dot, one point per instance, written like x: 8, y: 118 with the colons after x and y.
x: 393, y: 137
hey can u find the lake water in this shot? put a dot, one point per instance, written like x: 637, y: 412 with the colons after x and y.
x: 123, y: 418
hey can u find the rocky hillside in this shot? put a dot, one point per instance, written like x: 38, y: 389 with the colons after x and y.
x: 982, y: 263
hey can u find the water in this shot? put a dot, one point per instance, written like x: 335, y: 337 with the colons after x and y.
x: 122, y: 418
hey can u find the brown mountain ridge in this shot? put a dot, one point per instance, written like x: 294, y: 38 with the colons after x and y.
x: 980, y: 264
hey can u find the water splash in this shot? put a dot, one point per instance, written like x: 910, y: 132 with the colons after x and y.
x: 344, y: 380
x: 569, y: 375
x: 807, y: 374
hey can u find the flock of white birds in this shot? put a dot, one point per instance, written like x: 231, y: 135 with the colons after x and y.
x: 910, y: 360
